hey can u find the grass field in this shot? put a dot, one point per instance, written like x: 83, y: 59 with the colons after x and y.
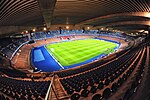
x: 73, y: 52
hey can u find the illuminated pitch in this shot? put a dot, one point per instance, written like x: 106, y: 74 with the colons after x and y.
x: 74, y: 52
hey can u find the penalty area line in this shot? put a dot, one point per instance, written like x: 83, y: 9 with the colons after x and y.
x: 55, y: 59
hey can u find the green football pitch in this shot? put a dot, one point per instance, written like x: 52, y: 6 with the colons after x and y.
x: 77, y: 51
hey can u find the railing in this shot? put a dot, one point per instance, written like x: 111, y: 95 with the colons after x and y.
x: 17, y: 50
x: 49, y: 92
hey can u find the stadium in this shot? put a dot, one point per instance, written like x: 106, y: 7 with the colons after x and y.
x: 74, y: 49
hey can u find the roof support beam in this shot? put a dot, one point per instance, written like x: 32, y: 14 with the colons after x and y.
x: 47, y: 8
x: 146, y: 23
x: 13, y: 29
x: 140, y: 14
x: 126, y: 25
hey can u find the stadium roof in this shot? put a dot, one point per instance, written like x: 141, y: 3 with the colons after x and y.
x: 123, y: 15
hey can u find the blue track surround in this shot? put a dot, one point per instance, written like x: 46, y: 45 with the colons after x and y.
x: 43, y: 60
x: 46, y: 65
x: 40, y: 56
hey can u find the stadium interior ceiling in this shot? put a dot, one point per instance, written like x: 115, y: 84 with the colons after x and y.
x: 129, y: 16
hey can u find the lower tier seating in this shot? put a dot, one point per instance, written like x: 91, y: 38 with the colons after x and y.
x: 115, y: 73
x: 23, y: 90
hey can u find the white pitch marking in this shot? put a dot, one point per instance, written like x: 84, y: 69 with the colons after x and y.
x: 55, y: 59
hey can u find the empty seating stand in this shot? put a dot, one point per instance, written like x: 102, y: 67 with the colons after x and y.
x: 9, y: 45
x: 137, y: 79
x: 13, y: 73
x: 99, y: 80
x: 81, y: 85
x: 23, y: 90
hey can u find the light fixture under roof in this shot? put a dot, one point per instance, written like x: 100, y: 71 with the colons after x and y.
x: 44, y: 28
x: 67, y: 27
x: 33, y: 30
x: 26, y: 31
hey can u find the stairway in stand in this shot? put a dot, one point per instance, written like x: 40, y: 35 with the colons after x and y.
x: 59, y: 92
